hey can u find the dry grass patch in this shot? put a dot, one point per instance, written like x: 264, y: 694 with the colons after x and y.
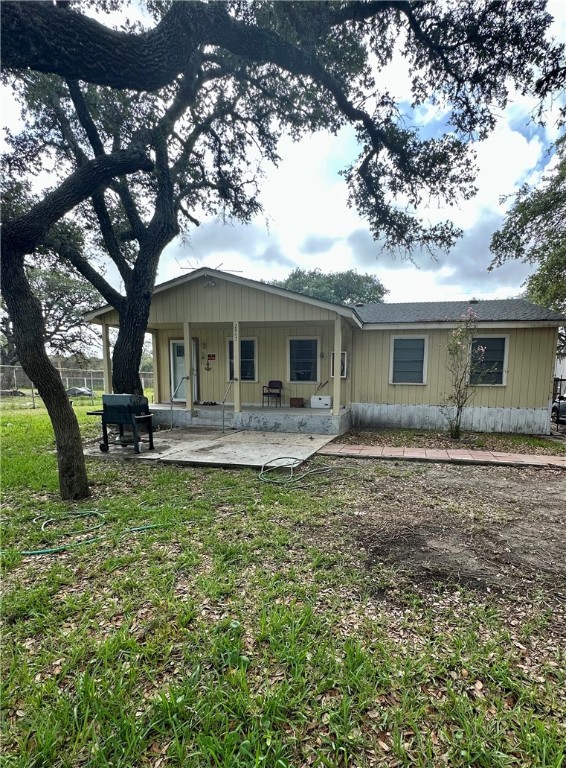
x: 554, y: 444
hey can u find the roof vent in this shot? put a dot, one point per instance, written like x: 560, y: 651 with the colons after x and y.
x: 359, y: 304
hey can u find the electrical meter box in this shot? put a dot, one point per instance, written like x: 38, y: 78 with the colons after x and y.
x: 321, y: 401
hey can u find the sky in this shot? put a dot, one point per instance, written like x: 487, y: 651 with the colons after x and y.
x: 307, y: 222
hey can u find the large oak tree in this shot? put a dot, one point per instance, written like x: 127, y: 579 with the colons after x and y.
x: 20, y: 236
x: 290, y: 67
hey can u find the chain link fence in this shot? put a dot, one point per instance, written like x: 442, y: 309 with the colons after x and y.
x: 17, y: 391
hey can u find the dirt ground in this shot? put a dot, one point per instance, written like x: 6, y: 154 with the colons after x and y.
x: 490, y: 528
x: 555, y: 443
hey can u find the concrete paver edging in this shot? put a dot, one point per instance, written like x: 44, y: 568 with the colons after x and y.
x: 451, y: 456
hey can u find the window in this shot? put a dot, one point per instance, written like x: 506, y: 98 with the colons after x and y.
x: 247, y: 359
x: 488, y: 360
x: 408, y: 360
x: 303, y: 359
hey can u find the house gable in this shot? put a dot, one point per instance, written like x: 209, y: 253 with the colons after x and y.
x: 217, y: 300
x: 210, y: 296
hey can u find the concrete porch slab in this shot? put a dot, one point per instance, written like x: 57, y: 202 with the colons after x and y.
x: 208, y: 447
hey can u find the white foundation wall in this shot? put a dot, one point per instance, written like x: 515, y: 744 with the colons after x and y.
x: 528, y: 421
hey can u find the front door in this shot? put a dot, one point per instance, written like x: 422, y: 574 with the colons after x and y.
x: 178, y: 371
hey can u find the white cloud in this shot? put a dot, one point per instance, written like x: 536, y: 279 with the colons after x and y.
x: 310, y: 224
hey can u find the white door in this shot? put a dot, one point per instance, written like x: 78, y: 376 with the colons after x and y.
x: 178, y: 371
x: 178, y: 382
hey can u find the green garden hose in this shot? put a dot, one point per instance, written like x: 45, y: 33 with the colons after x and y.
x: 74, y: 516
x: 292, y: 464
x: 77, y: 532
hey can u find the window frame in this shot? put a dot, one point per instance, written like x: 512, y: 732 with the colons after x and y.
x: 505, y: 337
x: 406, y: 337
x: 318, y: 353
x: 242, y: 338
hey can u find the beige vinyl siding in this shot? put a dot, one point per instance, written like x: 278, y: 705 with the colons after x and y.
x: 530, y: 357
x: 110, y: 318
x: 271, y: 351
x: 272, y: 319
x: 226, y: 302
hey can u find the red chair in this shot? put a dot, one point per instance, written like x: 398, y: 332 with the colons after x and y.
x: 272, y: 392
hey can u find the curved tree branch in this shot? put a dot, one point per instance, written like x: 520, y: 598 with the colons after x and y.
x: 32, y: 31
x: 24, y: 233
x: 73, y: 256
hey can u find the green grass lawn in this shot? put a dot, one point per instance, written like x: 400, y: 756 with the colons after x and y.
x: 246, y: 631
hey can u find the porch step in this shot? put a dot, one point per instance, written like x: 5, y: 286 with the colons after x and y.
x: 212, y: 417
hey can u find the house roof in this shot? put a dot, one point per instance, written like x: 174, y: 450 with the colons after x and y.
x: 384, y: 313
x: 492, y: 310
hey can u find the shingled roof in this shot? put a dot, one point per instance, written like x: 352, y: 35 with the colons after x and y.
x: 493, y: 310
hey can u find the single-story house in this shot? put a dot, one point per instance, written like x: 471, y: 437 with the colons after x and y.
x: 220, y: 338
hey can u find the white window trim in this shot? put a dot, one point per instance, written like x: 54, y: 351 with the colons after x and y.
x: 318, y: 351
x: 392, y: 355
x: 505, y: 356
x: 343, y: 357
x: 242, y: 338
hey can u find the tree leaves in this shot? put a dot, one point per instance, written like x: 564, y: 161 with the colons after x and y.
x: 347, y: 287
x: 534, y: 231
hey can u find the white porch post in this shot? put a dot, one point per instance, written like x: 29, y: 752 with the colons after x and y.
x: 187, y: 339
x: 237, y: 366
x: 106, y: 359
x: 155, y: 366
x: 336, y: 392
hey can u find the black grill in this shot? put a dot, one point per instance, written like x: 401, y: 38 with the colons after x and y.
x: 125, y: 411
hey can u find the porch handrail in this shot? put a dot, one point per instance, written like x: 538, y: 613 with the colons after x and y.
x: 224, y: 400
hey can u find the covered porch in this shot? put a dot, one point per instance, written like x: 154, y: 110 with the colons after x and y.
x: 219, y: 340
x: 315, y: 421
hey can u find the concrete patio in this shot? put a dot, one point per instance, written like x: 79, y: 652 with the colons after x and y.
x: 209, y: 446
x: 212, y: 447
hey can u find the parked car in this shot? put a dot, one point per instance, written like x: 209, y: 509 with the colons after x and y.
x: 79, y: 392
x: 558, y: 412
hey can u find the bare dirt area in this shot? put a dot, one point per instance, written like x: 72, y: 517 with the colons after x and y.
x: 490, y: 528
x: 554, y: 443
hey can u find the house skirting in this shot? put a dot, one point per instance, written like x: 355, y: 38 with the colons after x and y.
x: 303, y: 420
x: 528, y: 421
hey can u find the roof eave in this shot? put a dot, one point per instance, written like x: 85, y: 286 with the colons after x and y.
x: 455, y: 324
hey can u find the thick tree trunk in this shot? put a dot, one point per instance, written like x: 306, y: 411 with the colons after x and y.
x: 134, y: 314
x: 21, y: 236
x: 7, y: 380
x: 126, y: 359
x: 27, y: 320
